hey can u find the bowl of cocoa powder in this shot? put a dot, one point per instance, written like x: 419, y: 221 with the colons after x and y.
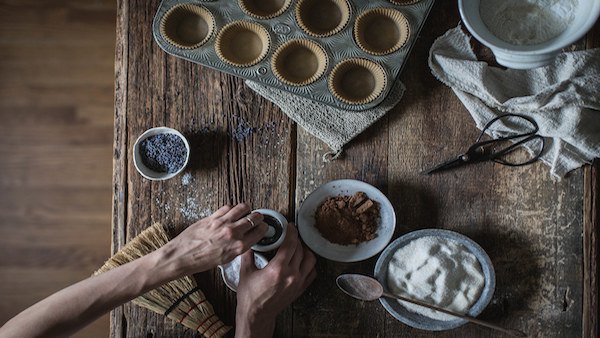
x: 346, y: 221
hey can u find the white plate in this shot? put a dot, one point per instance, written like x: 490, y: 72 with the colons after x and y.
x: 345, y: 253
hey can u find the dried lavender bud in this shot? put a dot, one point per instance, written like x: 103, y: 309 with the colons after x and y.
x: 163, y: 153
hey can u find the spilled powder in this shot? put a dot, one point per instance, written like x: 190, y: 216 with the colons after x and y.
x: 438, y: 271
x: 192, y: 211
x: 186, y: 179
x: 527, y: 22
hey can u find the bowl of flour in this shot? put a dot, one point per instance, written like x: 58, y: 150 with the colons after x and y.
x: 525, y: 34
x: 440, y: 267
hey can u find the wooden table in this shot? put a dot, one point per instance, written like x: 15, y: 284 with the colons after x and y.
x: 541, y: 234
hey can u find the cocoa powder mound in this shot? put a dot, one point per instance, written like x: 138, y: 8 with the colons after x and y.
x: 348, y: 219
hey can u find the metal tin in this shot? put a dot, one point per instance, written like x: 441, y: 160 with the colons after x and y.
x: 283, y: 28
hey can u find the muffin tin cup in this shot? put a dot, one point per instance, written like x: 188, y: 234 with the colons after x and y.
x: 357, y: 81
x: 322, y: 18
x: 381, y: 31
x: 187, y: 26
x: 299, y: 62
x: 264, y: 9
x: 242, y: 43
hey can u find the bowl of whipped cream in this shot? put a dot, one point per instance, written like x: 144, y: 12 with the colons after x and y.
x: 439, y: 267
x: 526, y: 34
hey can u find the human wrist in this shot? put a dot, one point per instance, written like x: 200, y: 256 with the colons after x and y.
x: 251, y: 324
x: 162, y: 266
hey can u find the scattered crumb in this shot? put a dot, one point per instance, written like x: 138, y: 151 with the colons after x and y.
x: 186, y: 179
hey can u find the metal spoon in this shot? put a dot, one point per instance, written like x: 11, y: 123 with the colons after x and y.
x: 367, y: 288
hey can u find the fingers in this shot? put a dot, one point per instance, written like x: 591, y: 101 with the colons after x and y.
x: 288, y: 247
x: 311, y: 278
x: 298, y: 257
x: 222, y: 211
x: 244, y: 225
x: 247, y: 265
x: 308, y: 262
x: 237, y: 212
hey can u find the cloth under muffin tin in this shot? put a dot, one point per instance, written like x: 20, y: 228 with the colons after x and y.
x: 283, y: 28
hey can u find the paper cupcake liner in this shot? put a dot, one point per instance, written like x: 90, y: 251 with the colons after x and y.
x: 314, y: 24
x: 381, y: 16
x: 187, y: 26
x: 404, y: 2
x: 357, y: 89
x: 256, y: 8
x: 242, y: 43
x: 293, y: 51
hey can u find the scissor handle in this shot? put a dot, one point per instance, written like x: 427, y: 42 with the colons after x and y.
x: 503, y: 138
x: 476, y: 155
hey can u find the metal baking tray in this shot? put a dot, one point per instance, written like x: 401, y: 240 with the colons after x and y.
x: 283, y: 28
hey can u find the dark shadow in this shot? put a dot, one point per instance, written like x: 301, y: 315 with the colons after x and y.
x: 207, y: 148
x: 518, y: 273
x: 416, y: 208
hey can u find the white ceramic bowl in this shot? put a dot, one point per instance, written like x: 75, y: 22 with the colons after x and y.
x: 137, y: 158
x: 345, y: 253
x: 282, y: 221
x: 530, y: 56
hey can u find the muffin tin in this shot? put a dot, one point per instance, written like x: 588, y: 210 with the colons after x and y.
x: 344, y: 53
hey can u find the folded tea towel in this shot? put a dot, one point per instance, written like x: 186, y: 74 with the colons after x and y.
x: 561, y: 97
x: 335, y: 127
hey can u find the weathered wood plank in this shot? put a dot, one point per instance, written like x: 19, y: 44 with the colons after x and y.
x: 529, y: 224
x: 591, y: 251
x: 118, y: 322
x: 324, y: 311
x: 208, y: 107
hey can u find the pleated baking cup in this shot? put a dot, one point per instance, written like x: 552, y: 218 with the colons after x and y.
x: 242, y: 43
x: 404, y: 2
x: 381, y: 31
x: 187, y: 26
x: 321, y: 18
x: 264, y: 9
x: 299, y: 62
x: 357, y: 81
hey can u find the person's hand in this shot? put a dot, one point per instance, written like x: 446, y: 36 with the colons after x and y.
x: 214, y: 240
x: 262, y: 294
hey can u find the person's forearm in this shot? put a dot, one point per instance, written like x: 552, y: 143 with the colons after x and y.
x: 71, y: 309
x: 248, y: 326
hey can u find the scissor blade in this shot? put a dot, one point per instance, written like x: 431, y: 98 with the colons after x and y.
x: 455, y: 162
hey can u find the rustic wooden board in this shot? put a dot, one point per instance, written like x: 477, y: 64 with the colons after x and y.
x: 529, y: 224
x: 154, y: 89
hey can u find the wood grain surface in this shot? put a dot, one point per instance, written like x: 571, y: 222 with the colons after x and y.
x: 529, y: 223
x: 56, y: 113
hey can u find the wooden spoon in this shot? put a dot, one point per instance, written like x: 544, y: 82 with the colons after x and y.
x: 367, y: 288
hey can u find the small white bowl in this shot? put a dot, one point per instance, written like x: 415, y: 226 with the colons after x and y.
x: 529, y: 56
x: 137, y: 158
x: 282, y: 221
x: 345, y: 253
x: 231, y: 271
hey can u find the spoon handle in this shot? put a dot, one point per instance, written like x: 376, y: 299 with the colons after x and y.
x: 514, y: 333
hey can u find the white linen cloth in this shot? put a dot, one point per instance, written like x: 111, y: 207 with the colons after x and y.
x: 563, y: 97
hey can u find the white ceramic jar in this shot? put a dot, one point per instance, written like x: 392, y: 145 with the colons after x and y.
x: 529, y: 56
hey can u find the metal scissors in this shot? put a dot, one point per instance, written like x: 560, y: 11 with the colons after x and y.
x: 482, y: 151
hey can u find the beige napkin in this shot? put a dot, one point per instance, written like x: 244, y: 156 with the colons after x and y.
x: 335, y: 127
x: 562, y: 97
